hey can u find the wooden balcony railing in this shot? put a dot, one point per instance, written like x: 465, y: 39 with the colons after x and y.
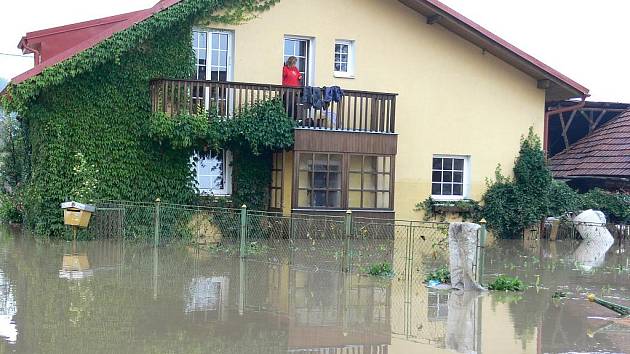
x: 356, y: 111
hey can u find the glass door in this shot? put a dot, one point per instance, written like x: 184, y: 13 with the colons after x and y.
x: 299, y: 48
x: 213, y: 53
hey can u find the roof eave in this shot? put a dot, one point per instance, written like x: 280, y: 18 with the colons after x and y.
x: 560, y: 86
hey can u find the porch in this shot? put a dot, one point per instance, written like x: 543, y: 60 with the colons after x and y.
x: 344, y: 154
x: 357, y: 111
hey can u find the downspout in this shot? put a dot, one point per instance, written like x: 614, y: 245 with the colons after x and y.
x: 37, y: 56
x: 548, y: 114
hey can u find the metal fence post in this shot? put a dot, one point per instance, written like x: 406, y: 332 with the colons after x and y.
x: 346, y: 247
x: 243, y: 234
x: 156, y: 235
x: 482, y: 250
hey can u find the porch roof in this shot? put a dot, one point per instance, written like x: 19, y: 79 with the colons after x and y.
x: 603, y: 153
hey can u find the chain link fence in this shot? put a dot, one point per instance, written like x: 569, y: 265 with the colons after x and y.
x: 335, y: 243
x: 567, y: 229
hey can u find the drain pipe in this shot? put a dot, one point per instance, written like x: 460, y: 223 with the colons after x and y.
x: 548, y: 114
x: 37, y: 54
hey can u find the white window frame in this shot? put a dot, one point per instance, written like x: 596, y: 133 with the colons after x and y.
x: 310, y: 57
x: 349, y: 74
x: 230, y: 58
x: 227, y: 175
x: 465, y: 179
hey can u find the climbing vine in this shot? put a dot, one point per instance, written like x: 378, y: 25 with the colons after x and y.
x: 251, y: 135
x: 260, y: 127
x: 85, y: 119
x: 467, y: 209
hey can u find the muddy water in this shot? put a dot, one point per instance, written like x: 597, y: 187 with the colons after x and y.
x: 115, y: 297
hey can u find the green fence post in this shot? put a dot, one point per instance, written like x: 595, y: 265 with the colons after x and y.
x: 156, y: 235
x: 482, y: 250
x: 346, y: 247
x: 243, y: 234
x: 291, y: 238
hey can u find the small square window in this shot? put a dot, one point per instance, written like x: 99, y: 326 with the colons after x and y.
x: 448, y: 177
x: 344, y: 58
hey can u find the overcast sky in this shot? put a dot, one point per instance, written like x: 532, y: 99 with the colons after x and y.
x: 583, y: 39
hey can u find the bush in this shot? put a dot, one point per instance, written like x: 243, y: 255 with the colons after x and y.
x: 616, y: 206
x: 512, y: 205
x: 441, y: 274
x: 381, y: 269
x: 506, y: 283
x: 563, y: 199
x: 10, y: 211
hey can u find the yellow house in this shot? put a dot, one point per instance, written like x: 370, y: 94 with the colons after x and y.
x: 432, y: 103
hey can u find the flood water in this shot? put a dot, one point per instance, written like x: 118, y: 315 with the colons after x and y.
x: 117, y: 297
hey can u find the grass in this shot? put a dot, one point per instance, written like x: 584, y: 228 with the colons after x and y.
x: 441, y: 274
x: 506, y: 283
x: 381, y: 270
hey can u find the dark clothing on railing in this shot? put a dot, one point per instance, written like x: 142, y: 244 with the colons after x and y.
x: 313, y: 97
x: 333, y: 94
x: 357, y: 111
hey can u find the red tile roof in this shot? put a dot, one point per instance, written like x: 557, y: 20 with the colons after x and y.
x: 52, y: 41
x: 603, y: 153
x: 457, y: 23
x: 135, y: 18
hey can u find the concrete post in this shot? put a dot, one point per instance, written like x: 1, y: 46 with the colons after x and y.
x: 346, y: 244
x: 156, y: 235
x: 462, y: 244
x: 482, y: 250
x: 243, y: 233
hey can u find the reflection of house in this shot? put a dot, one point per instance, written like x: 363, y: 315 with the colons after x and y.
x: 8, y: 309
x: 208, y: 295
x: 461, y: 92
x: 336, y: 310
x: 326, y: 310
x: 600, y: 159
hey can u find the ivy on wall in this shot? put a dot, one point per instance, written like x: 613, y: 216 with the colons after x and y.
x: 251, y: 135
x: 91, y: 112
x: 262, y: 126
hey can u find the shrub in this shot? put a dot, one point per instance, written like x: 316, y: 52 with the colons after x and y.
x: 381, y: 269
x: 10, y: 209
x: 512, y: 205
x: 506, y: 283
x: 616, y: 206
x: 441, y: 274
x: 563, y: 199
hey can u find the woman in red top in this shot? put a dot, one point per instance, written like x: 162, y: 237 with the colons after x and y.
x: 291, y: 77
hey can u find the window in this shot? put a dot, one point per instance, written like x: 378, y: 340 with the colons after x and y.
x: 276, y: 181
x: 344, y: 58
x: 449, y: 177
x: 369, y: 183
x: 213, y: 54
x: 299, y: 48
x: 200, y: 47
x: 319, y: 180
x: 214, y: 173
x: 437, y: 304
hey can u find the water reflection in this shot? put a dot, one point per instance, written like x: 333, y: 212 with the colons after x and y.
x: 141, y: 299
x: 8, y: 310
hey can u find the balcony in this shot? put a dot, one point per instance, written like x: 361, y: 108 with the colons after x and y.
x: 357, y: 111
